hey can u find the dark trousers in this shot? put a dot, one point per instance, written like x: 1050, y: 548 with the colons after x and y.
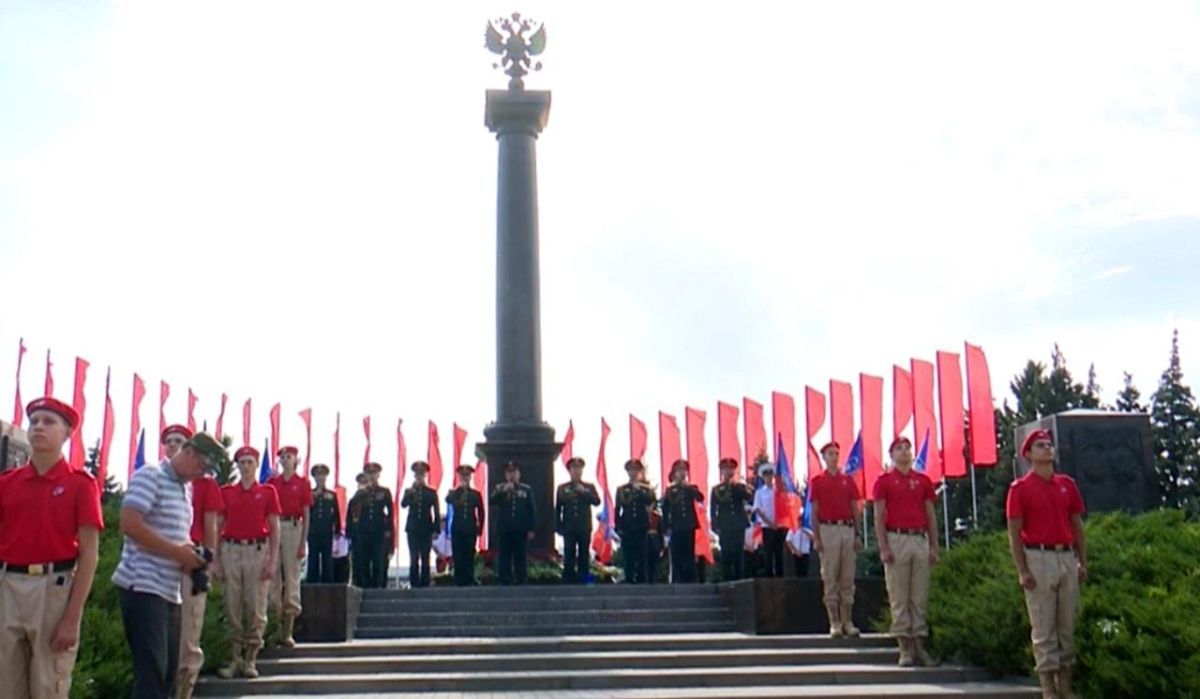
x: 320, y: 559
x: 633, y: 550
x: 152, y: 631
x: 733, y: 554
x: 654, y: 555
x: 512, y: 557
x: 341, y: 570
x: 683, y: 556
x: 370, y: 560
x: 576, y: 557
x: 772, y: 545
x: 462, y: 547
x: 800, y: 563
x: 418, y: 554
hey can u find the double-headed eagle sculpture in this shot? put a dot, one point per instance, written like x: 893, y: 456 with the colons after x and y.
x: 524, y: 40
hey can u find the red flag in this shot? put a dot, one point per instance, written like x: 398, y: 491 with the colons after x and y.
x: 637, y: 438
x: 783, y: 423
x: 479, y: 481
x: 902, y: 402
x: 669, y: 449
x: 433, y: 456
x: 107, y: 435
x: 950, y: 412
x: 274, y: 417
x: 19, y: 409
x: 191, y: 414
x: 814, y: 420
x: 306, y: 416
x: 164, y: 391
x: 871, y: 390
x: 135, y: 422
x: 337, y: 452
x: 460, y: 439
x: 367, y: 432
x: 78, y: 454
x: 981, y: 412
x: 698, y: 474
x: 49, y: 376
x: 728, y: 445
x: 602, y: 537
x: 246, y: 423
x: 568, y: 447
x: 841, y: 418
x: 401, y: 458
x: 925, y: 417
x: 755, y: 431
x: 221, y: 418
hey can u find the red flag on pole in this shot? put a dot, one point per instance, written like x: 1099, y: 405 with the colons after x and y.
x: 783, y: 423
x: 841, y: 418
x: 568, y: 447
x: 698, y: 474
x: 925, y: 417
x: 728, y: 445
x: 981, y: 412
x: 306, y: 416
x: 637, y: 438
x: 902, y: 401
x: 274, y: 418
x: 755, y: 431
x: 191, y: 413
x: 164, y: 391
x: 814, y: 420
x: 135, y: 422
x: 602, y: 537
x: 950, y: 412
x: 401, y: 458
x: 433, y: 456
x: 460, y: 439
x: 479, y: 481
x: 246, y: 423
x: 367, y: 432
x: 106, y: 436
x: 49, y: 376
x: 669, y: 449
x: 221, y: 418
x: 78, y: 454
x: 871, y: 390
x: 337, y: 451
x: 19, y: 409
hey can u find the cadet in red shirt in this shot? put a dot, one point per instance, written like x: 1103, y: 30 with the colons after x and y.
x: 906, y: 529
x: 50, y: 522
x: 249, y: 552
x: 836, y: 512
x: 1045, y: 533
x: 295, y: 497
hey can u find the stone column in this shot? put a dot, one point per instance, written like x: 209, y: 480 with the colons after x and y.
x: 519, y: 434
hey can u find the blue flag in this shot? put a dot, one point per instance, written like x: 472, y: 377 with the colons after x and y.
x: 789, y: 483
x: 449, y: 519
x: 923, y: 455
x: 264, y: 471
x: 806, y: 518
x: 854, y: 462
x: 139, y: 459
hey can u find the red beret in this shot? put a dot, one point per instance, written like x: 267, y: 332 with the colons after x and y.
x: 244, y: 452
x: 898, y: 441
x: 1033, y: 437
x: 288, y: 450
x: 833, y: 445
x: 175, y: 429
x: 55, y: 406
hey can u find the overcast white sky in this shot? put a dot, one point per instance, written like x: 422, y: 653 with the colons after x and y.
x: 295, y: 201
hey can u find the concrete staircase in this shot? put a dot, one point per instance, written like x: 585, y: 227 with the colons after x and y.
x: 574, y: 642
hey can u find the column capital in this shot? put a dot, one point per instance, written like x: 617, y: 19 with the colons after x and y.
x: 517, y: 110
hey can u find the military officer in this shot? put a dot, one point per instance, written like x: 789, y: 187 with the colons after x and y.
x: 1045, y: 532
x: 836, y: 516
x: 573, y: 504
x: 464, y: 505
x: 631, y: 521
x: 728, y: 508
x: 325, y: 523
x: 423, y: 517
x: 373, y: 533
x: 516, y: 516
x: 353, y: 516
x: 680, y: 522
x: 295, y: 500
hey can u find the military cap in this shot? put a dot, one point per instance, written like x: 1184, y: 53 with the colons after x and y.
x: 1036, y: 435
x: 831, y: 445
x: 288, y: 450
x: 898, y: 441
x: 244, y: 452
x: 635, y: 465
x: 766, y: 468
x: 55, y: 406
x: 727, y: 462
x: 574, y: 462
x: 361, y: 479
x: 320, y: 470
x: 181, y: 430
x: 372, y: 467
x: 511, y: 466
x: 465, y: 467
x: 420, y: 466
x: 207, y: 446
x: 679, y: 464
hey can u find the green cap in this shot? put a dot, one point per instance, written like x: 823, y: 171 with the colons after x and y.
x: 208, y: 447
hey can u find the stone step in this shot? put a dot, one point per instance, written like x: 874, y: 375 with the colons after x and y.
x: 562, y: 629
x: 532, y: 604
x: 494, y: 591
x: 542, y: 681
x: 505, y: 618
x: 612, y: 660
x: 577, y: 644
x: 907, y: 690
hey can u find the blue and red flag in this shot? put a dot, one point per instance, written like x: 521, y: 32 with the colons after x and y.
x: 854, y: 462
x: 603, y: 537
x: 787, y: 496
x: 264, y: 471
x: 139, y: 458
x: 923, y: 455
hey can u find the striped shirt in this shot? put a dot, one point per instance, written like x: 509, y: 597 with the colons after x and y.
x: 166, y: 503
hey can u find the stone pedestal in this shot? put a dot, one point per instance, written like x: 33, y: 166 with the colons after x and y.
x: 795, y: 605
x: 330, y: 613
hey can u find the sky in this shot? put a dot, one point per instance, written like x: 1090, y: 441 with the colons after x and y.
x: 295, y: 202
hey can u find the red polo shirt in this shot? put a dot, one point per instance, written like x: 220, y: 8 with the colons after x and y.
x: 206, y: 497
x: 295, y: 494
x: 1045, y: 507
x: 40, y: 516
x: 904, y: 497
x: 247, y: 510
x: 835, y: 496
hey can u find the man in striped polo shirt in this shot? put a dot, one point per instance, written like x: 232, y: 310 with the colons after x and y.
x: 156, y: 519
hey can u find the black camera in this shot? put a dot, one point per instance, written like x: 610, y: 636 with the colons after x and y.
x: 200, y: 575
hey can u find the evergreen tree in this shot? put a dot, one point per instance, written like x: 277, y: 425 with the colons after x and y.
x: 1129, y: 400
x: 224, y: 472
x: 1091, y: 393
x: 1176, y: 422
x: 110, y: 486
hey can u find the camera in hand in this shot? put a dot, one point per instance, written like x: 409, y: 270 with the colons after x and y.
x: 200, y: 575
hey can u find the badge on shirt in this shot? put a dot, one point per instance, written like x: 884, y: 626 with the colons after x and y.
x: 59, y: 490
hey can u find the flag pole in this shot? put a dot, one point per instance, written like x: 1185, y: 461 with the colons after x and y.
x: 974, y: 501
x: 946, y: 510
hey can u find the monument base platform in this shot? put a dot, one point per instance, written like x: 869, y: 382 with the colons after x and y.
x: 796, y: 606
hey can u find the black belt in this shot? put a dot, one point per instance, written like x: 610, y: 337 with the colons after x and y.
x: 290, y: 518
x: 910, y: 532
x: 839, y: 522
x: 38, y: 568
x: 246, y: 542
x: 1050, y: 547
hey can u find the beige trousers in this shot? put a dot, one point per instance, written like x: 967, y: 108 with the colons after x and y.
x: 908, y: 584
x: 285, y: 584
x: 191, y: 617
x: 245, y: 592
x: 30, y: 607
x: 1052, y: 606
x: 838, y: 560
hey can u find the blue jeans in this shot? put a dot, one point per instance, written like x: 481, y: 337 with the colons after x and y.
x: 152, y: 631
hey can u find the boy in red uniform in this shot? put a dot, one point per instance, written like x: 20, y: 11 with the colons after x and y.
x: 906, y: 528
x: 295, y: 497
x: 249, y: 553
x: 50, y: 522
x: 837, y: 510
x: 1045, y: 533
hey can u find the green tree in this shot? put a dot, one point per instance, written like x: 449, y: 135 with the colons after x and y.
x: 1129, y: 400
x: 1176, y: 423
x: 110, y: 486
